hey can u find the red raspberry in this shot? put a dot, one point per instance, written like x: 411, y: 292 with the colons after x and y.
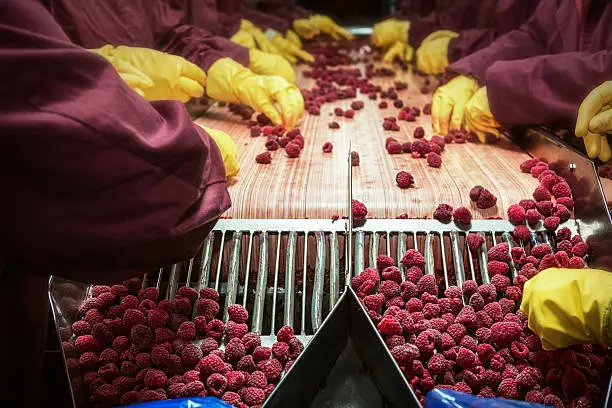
x: 293, y: 150
x: 437, y: 364
x: 425, y: 342
x: 389, y: 326
x: 457, y: 331
x: 486, y: 200
x: 150, y: 293
x: 469, y: 287
x: 494, y: 311
x: 567, y: 202
x: 533, y: 217
x: 186, y: 331
x: 527, y: 165
x: 505, y: 332
x: 421, y: 146
x: 463, y: 387
x: 383, y: 262
x: 434, y: 160
x: 392, y: 273
x: 394, y: 147
x: 246, y: 363
x: 516, y: 214
x: 359, y: 210
x: 499, y: 253
x: 404, y: 179
x: 87, y: 343
x: 508, y: 389
x: 468, y: 342
x: 328, y: 147
x: 573, y: 382
x: 93, y: 316
x: 522, y: 233
x: 475, y: 192
x: 519, y: 350
x: 435, y: 148
x: 431, y: 310
x: 548, y: 261
x: 467, y: 317
x: 237, y: 313
x: 257, y: 379
x: 81, y: 328
x: 349, y: 114
x: 354, y: 159
x: 534, y: 396
x: 545, y: 207
x: 488, y: 292
x: 191, y: 355
x: 182, y: 306
x: 261, y: 353
x: 405, y: 354
x: 252, y: 396
x: 443, y: 213
x: 507, y: 306
x: 477, y: 302
x: 539, y: 169
x: 374, y: 302
x: 412, y: 257
x: 285, y: 334
x: 497, y: 268
x: 427, y: 283
x: 551, y: 223
x: 280, y: 351
x: 562, y: 190
x: 580, y: 249
x: 216, y: 385
x: 447, y: 341
x: 527, y: 204
x: 485, y: 351
x: 562, y: 212
x: 155, y: 378
x: 541, y: 194
x: 233, y: 330
x: 272, y: 368
x: 576, y: 262
x: 500, y: 282
x: 462, y: 215
x: 333, y: 125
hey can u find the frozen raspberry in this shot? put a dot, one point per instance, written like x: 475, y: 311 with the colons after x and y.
x: 272, y: 368
x: 333, y: 125
x: 354, y: 159
x: 81, y: 328
x: 182, y: 306
x: 338, y: 112
x: 87, y: 343
x: 469, y: 343
x: 527, y: 165
x: 563, y: 259
x: 434, y: 160
x: 155, y: 378
x: 293, y: 150
x: 508, y: 389
x: 216, y: 385
x: 394, y: 148
x: 404, y: 179
x: 328, y: 147
x: 499, y: 253
x: 246, y: 363
x: 561, y: 190
x: 437, y: 364
x: 252, y: 396
x: 548, y: 261
x: 349, y: 114
x: 211, y: 364
x: 540, y: 250
x: 447, y: 341
x: 443, y: 213
x: 457, y: 331
x: 132, y: 317
x: 425, y: 342
x: 405, y: 354
x: 421, y: 146
x: 359, y: 210
x: 519, y: 350
x: 469, y: 287
x: 462, y: 215
x: 475, y: 192
x: 507, y: 306
x: 233, y: 329
x: 237, y: 313
x: 494, y: 310
x: 462, y: 387
x: 580, y: 249
x: 431, y: 310
x: 497, y: 268
x: 551, y: 223
x: 477, y: 302
x: 573, y: 383
x: 527, y: 204
x: 435, y: 148
x: 500, y: 282
x: 518, y: 255
x: 467, y: 316
x: 562, y: 212
x: 389, y: 289
x: 533, y: 217
x: 567, y: 202
x: 453, y: 292
x: 522, y: 233
x: 576, y: 262
x: 257, y: 379
x: 272, y: 145
x: 285, y: 334
x: 545, y: 207
x: 485, y: 351
x: 486, y: 200
x: 389, y: 326
x: 234, y: 350
x: 427, y: 284
x: 389, y: 272
x: 516, y: 214
x: 186, y: 331
x: 541, y: 194
x: 504, y: 332
x: 412, y: 257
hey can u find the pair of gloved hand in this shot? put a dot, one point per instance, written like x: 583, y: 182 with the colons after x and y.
x: 392, y: 34
x: 595, y: 122
x: 463, y: 103
x: 569, y: 306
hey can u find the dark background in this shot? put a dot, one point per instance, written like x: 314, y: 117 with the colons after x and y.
x: 351, y: 12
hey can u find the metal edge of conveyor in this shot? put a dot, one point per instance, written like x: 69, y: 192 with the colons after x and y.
x: 592, y: 215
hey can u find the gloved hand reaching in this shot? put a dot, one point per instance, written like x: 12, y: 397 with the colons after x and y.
x: 263, y: 63
x: 156, y: 75
x: 479, y: 119
x: 228, y: 148
x: 595, y: 121
x: 231, y: 82
x: 388, y: 32
x: 569, y: 306
x: 326, y: 25
x: 305, y: 28
x: 260, y: 38
x: 449, y: 102
x: 400, y: 51
x: 432, y: 54
x: 288, y: 50
x: 245, y: 39
x: 293, y: 38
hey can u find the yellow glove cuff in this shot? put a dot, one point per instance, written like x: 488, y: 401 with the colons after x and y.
x: 228, y: 148
x: 246, y: 24
x: 222, y: 76
x: 440, y: 34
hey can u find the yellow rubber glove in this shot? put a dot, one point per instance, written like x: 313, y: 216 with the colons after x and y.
x: 228, y: 148
x: 595, y: 121
x: 289, y: 51
x: 388, y: 32
x: 449, y: 102
x: 260, y: 38
x: 263, y: 63
x: 245, y: 39
x: 432, y: 54
x: 399, y: 50
x: 231, y: 82
x: 569, y: 306
x: 305, y: 28
x: 479, y: 119
x: 293, y: 38
x: 326, y: 25
x: 156, y: 75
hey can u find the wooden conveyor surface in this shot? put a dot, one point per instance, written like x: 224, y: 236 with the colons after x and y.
x: 315, y: 184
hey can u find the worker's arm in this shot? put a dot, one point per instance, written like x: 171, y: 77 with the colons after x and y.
x: 97, y: 181
x: 569, y: 306
x: 551, y: 87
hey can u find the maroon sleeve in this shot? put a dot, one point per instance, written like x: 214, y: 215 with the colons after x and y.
x: 527, y: 41
x: 286, y: 10
x: 265, y: 21
x: 468, y: 42
x: 200, y: 46
x: 545, y: 89
x: 96, y: 180
x: 204, y: 14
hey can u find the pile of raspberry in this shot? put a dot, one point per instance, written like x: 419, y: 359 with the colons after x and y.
x: 484, y: 348
x: 277, y: 138
x: 130, y: 346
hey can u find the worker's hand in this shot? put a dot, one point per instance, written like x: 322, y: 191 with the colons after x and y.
x: 263, y: 43
x: 288, y: 50
x: 400, y: 51
x: 432, y: 54
x: 244, y: 38
x: 228, y: 148
x: 231, y: 82
x: 263, y: 63
x: 479, y: 119
x: 449, y: 102
x: 595, y: 121
x: 293, y: 38
x: 569, y: 306
x: 326, y: 25
x: 305, y: 28
x: 156, y: 75
x: 388, y: 32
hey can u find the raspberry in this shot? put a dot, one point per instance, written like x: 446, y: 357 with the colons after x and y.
x: 539, y: 169
x: 182, y: 306
x: 485, y: 351
x: 541, y: 194
x: 562, y: 259
x: 437, y: 364
x: 576, y: 262
x: 405, y: 354
x: 468, y: 342
x: 359, y: 210
x: 233, y: 330
x: 505, y: 332
x: 463, y: 387
x: 494, y: 311
x: 462, y: 215
x: 488, y: 292
x: 527, y: 204
x: 391, y: 273
x: 293, y: 150
x: 151, y: 294
x: 155, y: 378
x: 389, y: 326
x: 476, y: 301
x: 508, y: 389
x: 216, y: 385
x: 280, y: 350
x: 533, y: 217
x: 487, y: 392
x: 129, y: 302
x: 443, y: 213
x: 421, y: 146
x: 469, y: 287
x: 521, y: 233
x: 354, y: 159
x: 246, y: 363
x: 252, y: 396
x: 337, y: 112
x: 548, y: 261
x: 349, y: 114
x: 427, y: 283
x: 527, y: 165
x: 544, y: 207
x: 191, y: 355
x: 394, y: 147
x: 121, y: 343
x: 412, y: 257
x: 328, y: 147
x: 486, y: 200
x: 425, y: 342
x: 255, y: 131
x: 573, y: 382
x: 497, y: 268
x: 567, y: 202
x: 580, y: 249
x: 186, y: 331
x: 467, y: 317
x: 540, y: 250
x: 562, y: 190
x: 475, y: 192
x: 552, y: 223
x: 475, y: 377
x: 389, y: 289
x: 434, y: 160
x: 507, y: 306
x: 93, y: 316
x: 431, y: 310
x: 81, y: 328
x: 272, y: 368
x: 457, y: 331
x: 516, y: 214
x: 87, y: 343
x: 333, y: 125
